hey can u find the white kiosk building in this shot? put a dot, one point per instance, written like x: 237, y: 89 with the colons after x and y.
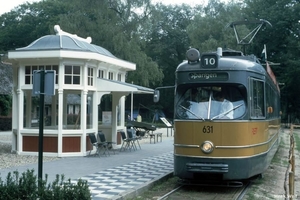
x: 85, y: 74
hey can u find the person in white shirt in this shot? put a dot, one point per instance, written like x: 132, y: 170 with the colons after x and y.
x: 226, y: 107
x: 139, y: 118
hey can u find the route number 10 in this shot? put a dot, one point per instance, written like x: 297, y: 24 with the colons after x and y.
x: 209, y: 60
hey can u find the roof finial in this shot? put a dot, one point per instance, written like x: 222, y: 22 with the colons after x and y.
x: 58, y: 31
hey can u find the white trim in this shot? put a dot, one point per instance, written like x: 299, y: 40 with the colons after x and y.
x: 16, y: 55
x: 118, y: 86
x: 113, y: 87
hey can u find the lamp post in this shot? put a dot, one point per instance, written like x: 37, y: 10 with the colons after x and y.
x: 41, y: 125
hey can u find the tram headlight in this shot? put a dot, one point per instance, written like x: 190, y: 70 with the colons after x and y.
x: 207, y: 147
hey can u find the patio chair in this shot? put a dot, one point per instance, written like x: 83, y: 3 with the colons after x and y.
x: 95, y: 143
x: 126, y: 142
x: 103, y: 145
x: 132, y: 136
x: 106, y: 145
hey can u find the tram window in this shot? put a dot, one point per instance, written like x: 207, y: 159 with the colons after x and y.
x: 272, y: 102
x: 269, y: 100
x: 257, y: 109
x: 202, y: 102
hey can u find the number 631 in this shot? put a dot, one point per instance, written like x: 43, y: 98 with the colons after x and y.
x: 208, y: 129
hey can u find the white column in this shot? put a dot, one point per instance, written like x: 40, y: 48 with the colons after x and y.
x: 83, y: 108
x: 60, y: 91
x: 83, y: 121
x: 95, y: 111
x: 122, y: 111
x: 20, y: 120
x: 122, y: 104
x: 20, y: 117
x: 15, y: 108
x: 60, y: 121
x: 115, y: 102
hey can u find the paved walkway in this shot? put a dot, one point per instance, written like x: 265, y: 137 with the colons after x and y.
x: 118, y: 176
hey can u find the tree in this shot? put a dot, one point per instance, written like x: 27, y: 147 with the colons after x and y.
x: 28, y: 22
x: 210, y: 30
x: 115, y: 26
x: 167, y: 39
x: 5, y: 104
x: 282, y: 42
x: 166, y: 42
x: 156, y: 37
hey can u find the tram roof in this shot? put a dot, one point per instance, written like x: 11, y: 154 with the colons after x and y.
x: 247, y: 63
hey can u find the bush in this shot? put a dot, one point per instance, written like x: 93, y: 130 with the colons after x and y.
x: 5, y: 123
x: 27, y: 186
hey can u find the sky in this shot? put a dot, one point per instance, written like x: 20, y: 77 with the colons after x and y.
x: 10, y: 4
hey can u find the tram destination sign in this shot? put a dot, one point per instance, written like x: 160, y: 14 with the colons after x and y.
x: 208, y: 76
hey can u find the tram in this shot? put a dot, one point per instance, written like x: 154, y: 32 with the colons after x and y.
x: 226, y: 116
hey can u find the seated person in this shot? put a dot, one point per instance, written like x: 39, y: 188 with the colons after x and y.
x: 194, y: 95
x: 225, y: 107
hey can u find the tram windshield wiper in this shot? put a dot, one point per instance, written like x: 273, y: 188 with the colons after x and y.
x: 191, y: 112
x: 224, y: 113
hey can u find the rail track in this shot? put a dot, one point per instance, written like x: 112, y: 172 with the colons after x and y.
x: 227, y: 190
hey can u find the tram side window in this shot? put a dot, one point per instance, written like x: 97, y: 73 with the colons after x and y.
x: 272, y: 102
x: 257, y: 109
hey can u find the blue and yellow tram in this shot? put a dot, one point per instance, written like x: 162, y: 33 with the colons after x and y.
x: 226, y: 116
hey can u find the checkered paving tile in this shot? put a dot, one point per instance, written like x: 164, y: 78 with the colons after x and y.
x: 110, y: 183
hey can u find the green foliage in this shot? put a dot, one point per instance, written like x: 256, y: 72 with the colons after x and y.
x: 282, y: 42
x: 5, y: 123
x: 209, y: 29
x: 166, y: 42
x: 26, y: 186
x: 156, y: 37
x: 297, y: 140
x: 115, y: 26
x: 27, y: 23
x: 5, y: 104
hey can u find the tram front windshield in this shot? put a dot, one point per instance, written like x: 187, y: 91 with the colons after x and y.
x: 209, y: 102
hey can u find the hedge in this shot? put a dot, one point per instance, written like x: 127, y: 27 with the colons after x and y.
x: 26, y: 186
x: 5, y: 123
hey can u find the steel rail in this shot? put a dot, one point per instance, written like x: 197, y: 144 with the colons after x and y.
x: 169, y: 193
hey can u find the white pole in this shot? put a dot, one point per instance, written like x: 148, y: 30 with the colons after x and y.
x: 131, y: 113
x: 265, y: 47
